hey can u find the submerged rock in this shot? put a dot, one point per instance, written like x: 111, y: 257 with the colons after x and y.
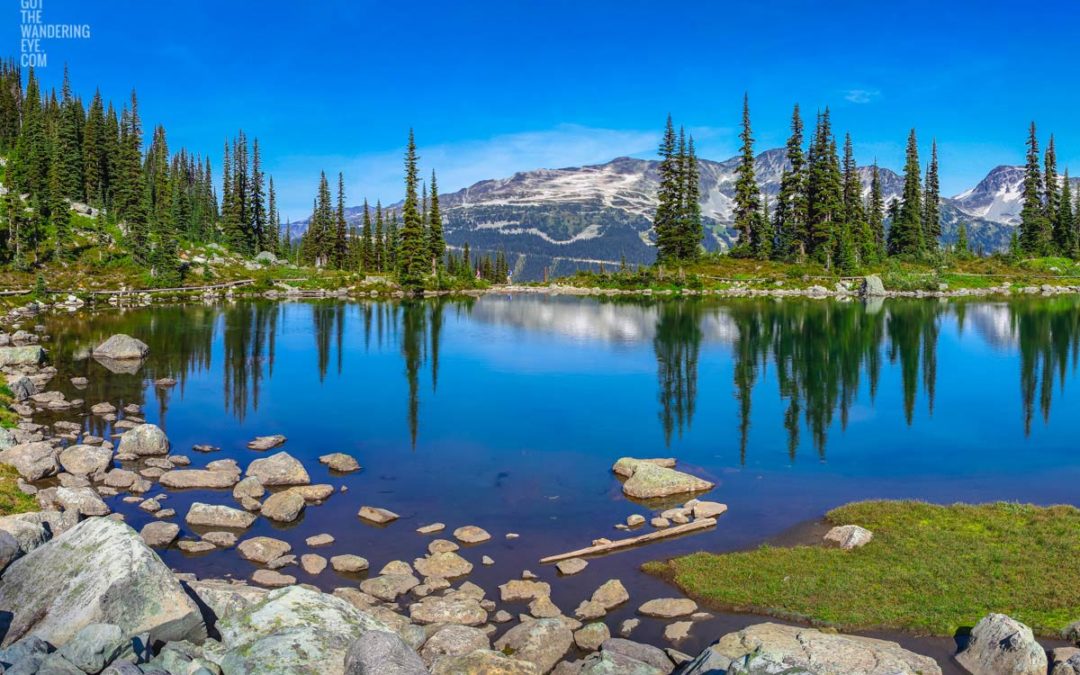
x: 121, y: 347
x: 266, y: 442
x: 377, y: 515
x: 99, y: 571
x: 340, y: 462
x: 1000, y: 644
x: 668, y: 608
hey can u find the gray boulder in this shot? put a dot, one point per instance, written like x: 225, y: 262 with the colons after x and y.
x: 26, y: 355
x: 22, y: 387
x: 848, y: 537
x: 648, y: 480
x: 83, y: 501
x: 812, y: 650
x: 144, y: 440
x: 283, y: 507
x: 31, y: 530
x: 33, y: 461
x: 9, y: 549
x: 159, y: 534
x: 378, y: 652
x: 999, y: 644
x: 654, y: 656
x: 1065, y: 661
x: 542, y: 642
x: 216, y: 516
x: 454, y: 641
x: 221, y: 599
x: 278, y: 469
x: 121, y: 347
x: 25, y: 655
x: 198, y: 478
x: 94, y: 647
x: 615, y: 663
x: 292, y: 630
x: 99, y: 571
x: 872, y: 286
x: 85, y: 460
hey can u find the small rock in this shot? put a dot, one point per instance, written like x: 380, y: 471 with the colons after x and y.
x: 319, y: 540
x: 849, y: 536
x: 431, y: 529
x: 216, y: 515
x: 262, y: 549
x: 272, y: 579
x: 220, y: 539
x: 635, y: 520
x: 266, y: 442
x: 678, y: 631
x: 571, y: 566
x: 628, y: 626
x: 279, y: 469
x: 471, y: 534
x: 668, y: 608
x: 283, y: 507
x: 611, y: 594
x: 377, y: 515
x: 340, y: 462
x: 454, y: 640
x: 1000, y: 644
x: 189, y: 546
x: 158, y: 534
x: 348, y: 564
x: 312, y: 563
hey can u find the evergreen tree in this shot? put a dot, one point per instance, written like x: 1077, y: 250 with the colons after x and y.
x: 272, y: 234
x: 876, y: 213
x: 413, y: 260
x: 931, y: 216
x: 69, y: 144
x: 905, y: 234
x: 340, y: 253
x: 367, y: 245
x: 747, y: 193
x: 257, y: 238
x: 860, y: 238
x: 378, y: 253
x: 94, y: 159
x: 1064, y: 226
x: 790, y: 214
x: 963, y: 248
x: 824, y: 192
x: 436, y: 243
x: 689, y: 228
x: 1051, y: 192
x: 1034, y: 235
x: 665, y: 221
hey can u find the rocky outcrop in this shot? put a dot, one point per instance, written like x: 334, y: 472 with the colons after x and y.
x: 144, y: 440
x: 872, y: 287
x: 649, y: 479
x: 291, y: 630
x: 99, y: 571
x: 999, y: 644
x: 121, y: 347
x: 806, y: 648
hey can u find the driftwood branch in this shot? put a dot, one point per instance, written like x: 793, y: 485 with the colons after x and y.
x: 699, y: 524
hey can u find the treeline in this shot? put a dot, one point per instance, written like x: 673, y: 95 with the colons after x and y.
x: 413, y: 249
x: 820, y: 213
x: 61, y: 152
x: 1048, y: 219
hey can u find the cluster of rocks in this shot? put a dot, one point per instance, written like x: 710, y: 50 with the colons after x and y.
x: 92, y: 597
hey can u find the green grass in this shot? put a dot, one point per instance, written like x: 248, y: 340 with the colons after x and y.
x: 12, y: 499
x: 929, y: 569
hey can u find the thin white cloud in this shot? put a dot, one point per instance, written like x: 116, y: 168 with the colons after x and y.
x: 862, y: 95
x: 378, y: 175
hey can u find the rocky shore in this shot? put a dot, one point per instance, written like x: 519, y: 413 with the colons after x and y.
x: 82, y: 592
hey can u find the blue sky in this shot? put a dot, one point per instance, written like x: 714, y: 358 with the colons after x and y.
x: 496, y: 87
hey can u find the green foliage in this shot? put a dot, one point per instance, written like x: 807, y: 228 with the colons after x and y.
x: 677, y: 221
x: 929, y: 568
x: 906, y: 232
x: 12, y: 499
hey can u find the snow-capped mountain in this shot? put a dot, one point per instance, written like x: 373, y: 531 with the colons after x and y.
x: 998, y: 197
x: 562, y: 219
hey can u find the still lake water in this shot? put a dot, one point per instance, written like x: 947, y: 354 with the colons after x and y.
x: 508, y: 411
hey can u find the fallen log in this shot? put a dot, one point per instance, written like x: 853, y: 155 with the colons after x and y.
x: 699, y: 524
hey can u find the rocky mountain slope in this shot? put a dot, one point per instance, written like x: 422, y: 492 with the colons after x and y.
x: 574, y: 217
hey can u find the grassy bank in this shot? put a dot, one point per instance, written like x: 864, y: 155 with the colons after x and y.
x: 930, y: 569
x: 12, y: 499
x: 724, y: 271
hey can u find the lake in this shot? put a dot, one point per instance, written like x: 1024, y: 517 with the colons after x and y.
x: 507, y: 412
